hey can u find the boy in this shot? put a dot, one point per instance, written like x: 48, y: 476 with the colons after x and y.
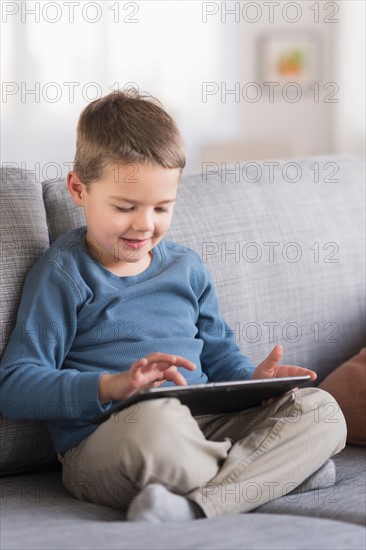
x: 113, y: 307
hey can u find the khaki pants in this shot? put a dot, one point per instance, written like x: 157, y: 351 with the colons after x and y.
x: 226, y: 463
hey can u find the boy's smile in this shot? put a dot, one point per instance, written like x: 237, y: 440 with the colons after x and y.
x: 127, y: 212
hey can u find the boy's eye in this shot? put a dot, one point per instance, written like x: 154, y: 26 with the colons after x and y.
x: 158, y: 209
x: 123, y: 209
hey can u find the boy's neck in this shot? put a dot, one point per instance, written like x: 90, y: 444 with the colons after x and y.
x: 128, y: 270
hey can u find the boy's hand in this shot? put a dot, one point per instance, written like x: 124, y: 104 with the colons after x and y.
x: 270, y: 368
x: 148, y: 372
x: 156, y: 368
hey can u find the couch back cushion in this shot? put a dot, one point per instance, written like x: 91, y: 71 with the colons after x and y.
x: 24, y: 238
x: 62, y: 213
x: 285, y: 243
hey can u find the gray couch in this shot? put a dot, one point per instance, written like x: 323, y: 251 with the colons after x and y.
x: 285, y: 243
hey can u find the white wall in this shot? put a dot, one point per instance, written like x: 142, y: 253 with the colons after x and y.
x: 276, y: 124
x: 171, y: 50
x: 304, y: 124
x: 163, y: 47
x: 348, y: 128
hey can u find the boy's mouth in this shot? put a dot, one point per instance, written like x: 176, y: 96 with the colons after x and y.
x: 135, y: 243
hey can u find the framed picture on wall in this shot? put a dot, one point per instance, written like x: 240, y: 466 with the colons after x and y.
x: 289, y: 56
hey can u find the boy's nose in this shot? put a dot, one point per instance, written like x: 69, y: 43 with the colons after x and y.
x: 143, y: 222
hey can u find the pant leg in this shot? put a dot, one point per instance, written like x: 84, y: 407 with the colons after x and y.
x: 154, y: 441
x: 276, y: 448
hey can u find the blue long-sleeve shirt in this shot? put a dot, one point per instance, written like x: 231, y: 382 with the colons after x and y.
x: 77, y: 320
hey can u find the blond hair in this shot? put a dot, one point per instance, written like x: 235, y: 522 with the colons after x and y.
x: 126, y: 127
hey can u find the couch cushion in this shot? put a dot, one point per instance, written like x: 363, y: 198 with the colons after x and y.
x: 348, y: 385
x: 36, y: 510
x: 24, y: 238
x: 345, y: 501
x: 62, y: 213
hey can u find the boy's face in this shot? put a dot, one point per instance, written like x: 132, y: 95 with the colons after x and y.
x: 129, y: 202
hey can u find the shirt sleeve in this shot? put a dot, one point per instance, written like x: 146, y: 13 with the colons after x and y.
x: 32, y: 382
x: 221, y: 357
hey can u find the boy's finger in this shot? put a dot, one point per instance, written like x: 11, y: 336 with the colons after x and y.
x: 163, y: 367
x: 270, y: 400
x: 176, y: 377
x: 169, y: 360
x: 149, y: 367
x: 272, y: 359
x: 138, y: 364
x: 294, y: 370
x: 170, y: 375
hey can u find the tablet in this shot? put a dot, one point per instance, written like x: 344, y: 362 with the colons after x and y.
x: 213, y: 397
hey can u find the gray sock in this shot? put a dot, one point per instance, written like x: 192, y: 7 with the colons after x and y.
x: 156, y: 504
x: 322, y: 478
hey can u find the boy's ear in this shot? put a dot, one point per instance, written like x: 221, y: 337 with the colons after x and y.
x: 76, y: 188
